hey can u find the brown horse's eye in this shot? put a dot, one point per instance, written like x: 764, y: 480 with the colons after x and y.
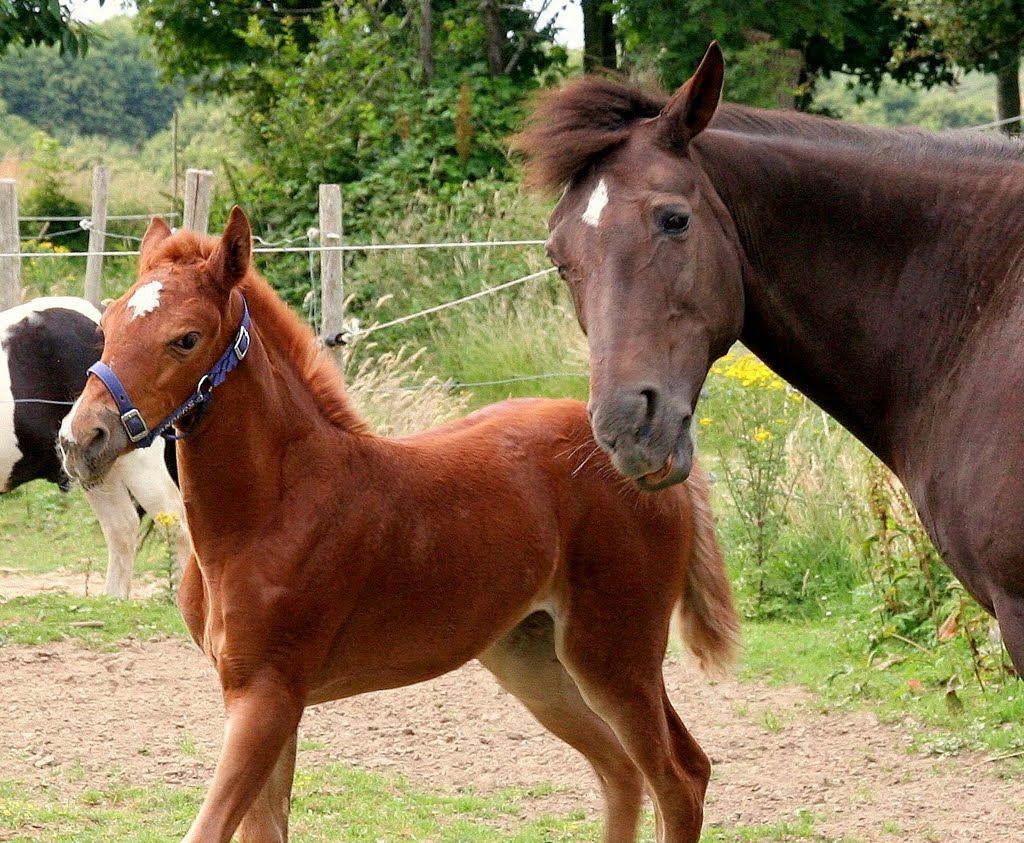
x: 186, y: 342
x: 673, y: 221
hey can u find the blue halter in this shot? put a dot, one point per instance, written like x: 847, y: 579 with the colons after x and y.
x: 135, y: 426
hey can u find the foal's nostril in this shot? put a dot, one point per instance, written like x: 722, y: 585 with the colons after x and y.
x: 95, y: 442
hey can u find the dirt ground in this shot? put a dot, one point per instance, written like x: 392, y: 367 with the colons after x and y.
x: 150, y: 712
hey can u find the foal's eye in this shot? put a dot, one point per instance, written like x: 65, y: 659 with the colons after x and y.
x: 186, y: 342
x: 673, y: 221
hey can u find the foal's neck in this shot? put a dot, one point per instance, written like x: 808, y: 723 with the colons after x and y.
x: 268, y: 448
x: 866, y: 267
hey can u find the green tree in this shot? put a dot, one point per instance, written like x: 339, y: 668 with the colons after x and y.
x: 341, y: 93
x: 599, y: 48
x: 986, y: 35
x: 77, y: 96
x: 778, y: 50
x: 34, y: 22
x: 207, y: 43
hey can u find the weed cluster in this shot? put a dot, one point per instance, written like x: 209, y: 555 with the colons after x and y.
x: 817, y: 528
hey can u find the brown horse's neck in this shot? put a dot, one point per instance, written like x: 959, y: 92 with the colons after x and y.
x: 279, y: 421
x: 866, y: 267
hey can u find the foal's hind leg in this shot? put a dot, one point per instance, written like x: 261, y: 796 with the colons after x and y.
x: 266, y: 821
x: 525, y: 664
x: 618, y: 670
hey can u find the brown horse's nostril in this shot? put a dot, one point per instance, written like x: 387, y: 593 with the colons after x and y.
x: 651, y: 396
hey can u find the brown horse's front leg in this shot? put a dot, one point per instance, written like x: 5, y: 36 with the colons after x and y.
x: 262, y: 717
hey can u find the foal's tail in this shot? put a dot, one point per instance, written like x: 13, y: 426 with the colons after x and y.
x: 708, y: 619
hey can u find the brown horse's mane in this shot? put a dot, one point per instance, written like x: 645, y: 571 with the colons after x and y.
x: 273, y: 318
x: 572, y: 127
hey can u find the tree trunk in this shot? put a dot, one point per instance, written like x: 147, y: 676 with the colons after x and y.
x: 492, y: 24
x: 598, y: 36
x: 427, y: 40
x: 1008, y: 93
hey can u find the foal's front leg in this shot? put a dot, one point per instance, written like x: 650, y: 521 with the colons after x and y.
x: 262, y: 718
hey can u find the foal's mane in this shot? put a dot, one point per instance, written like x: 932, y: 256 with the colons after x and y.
x: 571, y: 128
x: 275, y: 322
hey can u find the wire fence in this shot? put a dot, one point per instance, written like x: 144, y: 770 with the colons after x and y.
x: 304, y: 243
x: 281, y: 250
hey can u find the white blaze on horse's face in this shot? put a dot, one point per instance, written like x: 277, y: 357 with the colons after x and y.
x: 145, y: 300
x: 598, y: 199
x: 65, y: 426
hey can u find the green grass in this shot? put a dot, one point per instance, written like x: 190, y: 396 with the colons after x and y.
x: 43, y: 529
x: 802, y: 828
x: 536, y: 334
x: 897, y: 681
x: 331, y: 803
x: 55, y: 617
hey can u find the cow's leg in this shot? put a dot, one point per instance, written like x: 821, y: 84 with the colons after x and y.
x: 119, y: 521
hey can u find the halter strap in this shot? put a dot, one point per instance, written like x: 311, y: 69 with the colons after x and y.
x: 135, y: 426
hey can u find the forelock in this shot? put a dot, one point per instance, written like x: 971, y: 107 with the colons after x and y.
x: 572, y: 127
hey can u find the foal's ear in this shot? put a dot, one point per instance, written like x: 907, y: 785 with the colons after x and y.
x: 157, y: 232
x: 691, y: 108
x: 231, y: 258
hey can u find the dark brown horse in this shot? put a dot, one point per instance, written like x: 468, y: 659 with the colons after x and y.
x: 879, y: 271
x: 330, y: 561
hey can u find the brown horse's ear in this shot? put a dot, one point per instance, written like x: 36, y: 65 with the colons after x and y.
x: 230, y: 260
x: 157, y: 232
x: 691, y: 108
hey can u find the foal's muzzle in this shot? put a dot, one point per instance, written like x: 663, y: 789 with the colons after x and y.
x: 89, y: 442
x: 646, y: 435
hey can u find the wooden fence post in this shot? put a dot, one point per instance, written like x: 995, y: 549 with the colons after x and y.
x: 332, y: 265
x: 10, y: 243
x: 97, y: 234
x: 198, y: 198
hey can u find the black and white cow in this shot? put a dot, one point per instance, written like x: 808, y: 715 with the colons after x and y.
x: 46, y: 346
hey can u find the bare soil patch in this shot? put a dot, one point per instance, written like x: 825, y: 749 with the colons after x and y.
x: 79, y: 583
x: 150, y: 712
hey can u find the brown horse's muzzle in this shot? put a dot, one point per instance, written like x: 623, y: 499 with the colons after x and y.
x: 91, y: 438
x: 646, y: 436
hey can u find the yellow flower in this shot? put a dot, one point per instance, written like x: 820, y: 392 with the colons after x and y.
x: 762, y: 435
x: 704, y: 421
x: 748, y: 370
x: 166, y: 519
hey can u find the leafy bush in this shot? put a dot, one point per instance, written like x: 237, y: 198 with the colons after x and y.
x: 47, y: 197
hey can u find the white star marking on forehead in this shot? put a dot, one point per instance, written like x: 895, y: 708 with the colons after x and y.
x: 598, y: 199
x: 146, y: 299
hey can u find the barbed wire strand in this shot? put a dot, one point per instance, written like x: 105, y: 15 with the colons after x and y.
x: 453, y: 384
x: 364, y: 247
x: 51, y: 235
x: 174, y: 214
x: 35, y: 401
x: 401, y: 320
x: 995, y: 124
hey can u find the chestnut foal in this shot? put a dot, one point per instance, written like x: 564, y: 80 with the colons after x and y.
x: 331, y: 562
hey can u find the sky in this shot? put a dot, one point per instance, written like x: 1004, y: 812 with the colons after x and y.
x: 569, y: 15
x: 90, y: 11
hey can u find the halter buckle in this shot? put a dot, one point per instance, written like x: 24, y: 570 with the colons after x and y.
x: 204, y: 387
x: 134, y: 425
x: 242, y: 343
